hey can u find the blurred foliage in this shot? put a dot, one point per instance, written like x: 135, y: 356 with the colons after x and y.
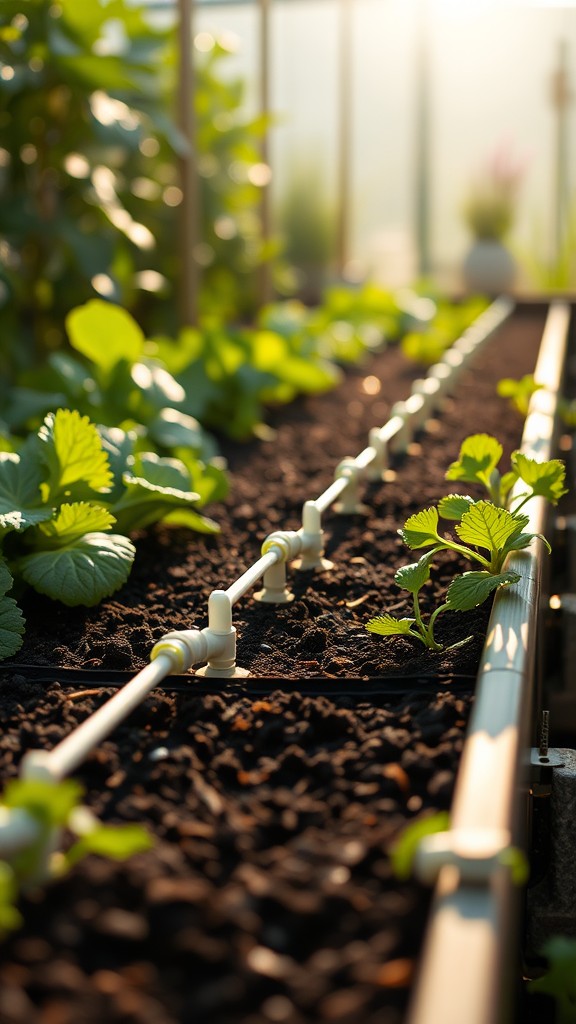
x: 89, y: 175
x: 307, y: 228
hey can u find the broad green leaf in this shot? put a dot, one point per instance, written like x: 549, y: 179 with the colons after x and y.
x: 413, y: 577
x: 104, y: 333
x: 545, y: 478
x: 162, y: 471
x: 73, y: 521
x: 144, y: 503
x: 487, y: 526
x: 74, y: 456
x: 117, y: 842
x: 157, y: 388
x: 208, y: 479
x: 12, y: 627
x: 404, y: 849
x: 472, y: 588
x: 453, y: 506
x: 83, y: 573
x: 20, y: 498
x: 523, y: 540
x: 119, y: 446
x: 421, y: 529
x: 387, y: 625
x: 172, y: 428
x: 6, y: 581
x: 308, y: 376
x: 192, y: 520
x: 48, y: 801
x: 479, y: 456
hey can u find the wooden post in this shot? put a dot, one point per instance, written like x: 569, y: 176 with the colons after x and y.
x: 422, y: 143
x: 265, y: 280
x: 190, y: 231
x: 561, y: 100
x: 345, y: 136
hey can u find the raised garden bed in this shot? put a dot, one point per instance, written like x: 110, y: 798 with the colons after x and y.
x: 269, y: 896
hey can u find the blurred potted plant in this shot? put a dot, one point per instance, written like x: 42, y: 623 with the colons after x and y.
x: 489, y: 212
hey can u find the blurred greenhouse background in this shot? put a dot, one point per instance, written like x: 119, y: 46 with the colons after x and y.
x: 193, y: 157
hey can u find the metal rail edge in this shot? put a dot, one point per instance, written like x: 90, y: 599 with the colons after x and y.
x: 471, y: 943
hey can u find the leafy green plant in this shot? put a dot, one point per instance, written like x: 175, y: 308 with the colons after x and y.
x: 487, y: 533
x: 428, y: 343
x: 55, y: 806
x: 60, y: 496
x: 560, y: 979
x: 465, y: 592
x: 403, y: 851
x: 519, y: 392
x: 477, y: 463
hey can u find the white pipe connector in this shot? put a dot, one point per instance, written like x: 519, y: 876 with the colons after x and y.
x: 312, y: 534
x: 403, y: 436
x: 429, y: 389
x: 287, y: 543
x: 18, y: 829
x: 475, y: 852
x: 380, y: 462
x: 350, y: 504
x: 221, y: 635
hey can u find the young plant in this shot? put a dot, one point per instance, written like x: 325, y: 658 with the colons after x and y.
x: 60, y: 497
x: 477, y: 463
x: 465, y: 592
x: 56, y: 806
x: 519, y: 392
x: 560, y: 979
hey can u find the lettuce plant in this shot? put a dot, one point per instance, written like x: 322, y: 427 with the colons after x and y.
x: 55, y: 806
x: 62, y: 494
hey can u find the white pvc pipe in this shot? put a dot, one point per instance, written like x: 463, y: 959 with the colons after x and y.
x: 252, y: 575
x: 332, y: 493
x: 74, y: 749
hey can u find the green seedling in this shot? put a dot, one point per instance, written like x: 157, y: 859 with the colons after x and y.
x: 68, y: 499
x: 56, y: 806
x: 477, y: 463
x: 519, y: 392
x: 465, y: 592
x: 560, y: 979
x: 487, y: 532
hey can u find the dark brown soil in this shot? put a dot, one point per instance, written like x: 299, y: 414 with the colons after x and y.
x: 269, y: 894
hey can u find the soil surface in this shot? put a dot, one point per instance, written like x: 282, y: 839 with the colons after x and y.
x: 269, y: 894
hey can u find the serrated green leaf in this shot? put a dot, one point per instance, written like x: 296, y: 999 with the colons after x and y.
x: 478, y: 458
x: 472, y: 588
x: 73, y: 452
x: 172, y: 428
x: 6, y: 581
x: 73, y: 521
x: 544, y: 478
x: 104, y: 333
x: 421, y: 529
x: 12, y: 627
x: 20, y: 497
x: 413, y: 577
x: 144, y: 503
x: 83, y: 573
x: 117, y: 842
x: 387, y: 625
x: 525, y: 539
x: 453, y: 506
x: 488, y: 526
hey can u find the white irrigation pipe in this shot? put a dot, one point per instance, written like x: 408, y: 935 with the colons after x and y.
x: 473, y: 918
x: 179, y: 650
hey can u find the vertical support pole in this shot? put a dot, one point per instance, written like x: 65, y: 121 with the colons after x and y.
x: 560, y: 100
x: 422, y: 141
x: 189, y: 181
x: 265, y: 279
x: 345, y: 136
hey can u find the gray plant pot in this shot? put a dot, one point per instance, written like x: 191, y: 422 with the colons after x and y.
x: 489, y: 267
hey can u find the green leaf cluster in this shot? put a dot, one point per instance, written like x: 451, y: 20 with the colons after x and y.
x: 560, y: 978
x: 56, y: 806
x: 486, y: 533
x: 518, y: 392
x: 61, y: 496
x: 427, y: 341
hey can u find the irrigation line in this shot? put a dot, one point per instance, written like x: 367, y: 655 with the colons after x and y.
x: 216, y: 644
x: 474, y: 920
